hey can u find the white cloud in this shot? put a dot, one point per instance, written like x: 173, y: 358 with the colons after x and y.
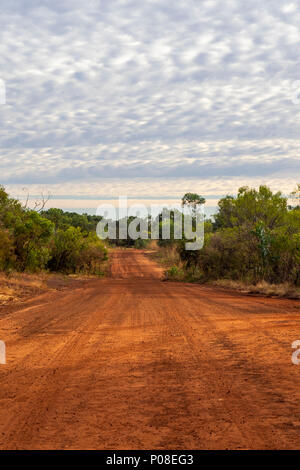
x: 128, y: 89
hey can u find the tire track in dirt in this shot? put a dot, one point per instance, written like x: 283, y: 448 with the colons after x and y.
x: 249, y: 372
x: 131, y: 362
x: 43, y: 391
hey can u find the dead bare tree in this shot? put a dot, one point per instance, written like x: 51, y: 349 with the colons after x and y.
x: 40, y: 204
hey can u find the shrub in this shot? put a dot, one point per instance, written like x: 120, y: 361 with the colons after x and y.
x: 72, y: 252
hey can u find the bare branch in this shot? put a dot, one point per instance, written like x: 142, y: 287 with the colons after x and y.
x: 40, y: 205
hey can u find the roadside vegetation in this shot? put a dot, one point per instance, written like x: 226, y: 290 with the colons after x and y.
x: 252, y: 243
x: 16, y: 286
x: 51, y: 240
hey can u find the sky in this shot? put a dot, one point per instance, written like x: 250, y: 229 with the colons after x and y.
x: 148, y: 99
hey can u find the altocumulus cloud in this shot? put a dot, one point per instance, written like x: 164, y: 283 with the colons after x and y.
x: 157, y: 89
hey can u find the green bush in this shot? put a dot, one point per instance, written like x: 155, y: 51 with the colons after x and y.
x: 52, y: 239
x: 255, y: 237
x: 140, y: 243
x: 32, y: 234
x: 72, y: 252
x: 7, y: 256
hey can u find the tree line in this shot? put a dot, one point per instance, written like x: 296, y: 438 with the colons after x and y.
x: 50, y: 239
x: 254, y: 236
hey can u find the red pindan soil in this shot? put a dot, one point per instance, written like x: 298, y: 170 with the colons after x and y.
x: 131, y: 362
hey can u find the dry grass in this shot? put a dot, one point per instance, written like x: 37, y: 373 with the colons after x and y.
x: 167, y: 256
x: 176, y: 271
x: 15, y: 286
x: 152, y: 245
x: 263, y: 287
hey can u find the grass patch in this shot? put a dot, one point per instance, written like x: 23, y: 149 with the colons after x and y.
x: 176, y: 270
x: 262, y: 287
x: 168, y: 257
x: 16, y: 286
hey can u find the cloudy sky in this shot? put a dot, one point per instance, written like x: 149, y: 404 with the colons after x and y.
x: 148, y: 98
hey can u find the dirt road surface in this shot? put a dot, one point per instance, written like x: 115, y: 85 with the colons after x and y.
x: 131, y: 362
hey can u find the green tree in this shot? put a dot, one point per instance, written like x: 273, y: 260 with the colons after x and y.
x: 250, y: 207
x: 32, y: 234
x: 192, y: 200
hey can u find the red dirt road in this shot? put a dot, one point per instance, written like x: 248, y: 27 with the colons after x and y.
x: 131, y: 362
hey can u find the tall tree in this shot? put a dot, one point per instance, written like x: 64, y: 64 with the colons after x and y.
x: 192, y: 200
